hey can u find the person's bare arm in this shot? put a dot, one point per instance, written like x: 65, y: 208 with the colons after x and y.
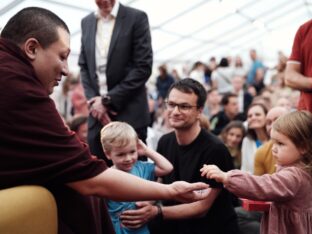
x: 145, y: 212
x: 117, y: 185
x: 162, y: 165
x: 191, y: 210
x: 294, y: 78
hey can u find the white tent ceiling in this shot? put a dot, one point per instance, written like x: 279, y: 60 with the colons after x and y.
x: 187, y: 31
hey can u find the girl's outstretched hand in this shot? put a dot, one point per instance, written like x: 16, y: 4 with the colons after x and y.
x: 213, y: 172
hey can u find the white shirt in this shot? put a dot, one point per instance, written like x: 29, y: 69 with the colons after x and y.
x: 249, y: 149
x: 105, y: 27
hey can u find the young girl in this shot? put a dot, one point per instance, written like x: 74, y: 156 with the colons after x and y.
x: 232, y: 136
x: 290, y: 187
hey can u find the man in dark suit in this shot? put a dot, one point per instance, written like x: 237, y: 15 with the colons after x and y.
x: 244, y: 98
x: 116, y: 61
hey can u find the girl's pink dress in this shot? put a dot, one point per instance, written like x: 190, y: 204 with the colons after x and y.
x: 289, y: 189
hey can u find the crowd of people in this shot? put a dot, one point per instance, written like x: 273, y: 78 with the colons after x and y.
x: 173, y: 158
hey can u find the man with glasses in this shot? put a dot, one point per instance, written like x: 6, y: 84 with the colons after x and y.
x: 188, y: 147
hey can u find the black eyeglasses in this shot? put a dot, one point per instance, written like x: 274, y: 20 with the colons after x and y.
x: 181, y: 107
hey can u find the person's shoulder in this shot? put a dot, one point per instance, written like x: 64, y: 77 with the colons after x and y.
x: 140, y: 163
x: 227, y: 71
x: 211, y: 139
x: 167, y: 139
x: 293, y: 169
x: 131, y: 10
x: 167, y: 136
x: 170, y: 77
x: 295, y: 173
x: 305, y: 30
x: 89, y: 17
x: 264, y: 149
x: 266, y: 145
x: 247, y: 95
x: 248, y: 140
x: 306, y: 25
x: 213, y: 148
x: 218, y: 115
x: 241, y: 116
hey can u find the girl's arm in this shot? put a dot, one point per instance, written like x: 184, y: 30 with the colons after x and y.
x: 282, y: 185
x: 162, y: 165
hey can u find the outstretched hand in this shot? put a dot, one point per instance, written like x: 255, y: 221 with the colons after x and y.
x: 213, y: 172
x: 189, y: 192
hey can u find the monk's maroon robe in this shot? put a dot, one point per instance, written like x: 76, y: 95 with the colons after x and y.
x: 36, y: 148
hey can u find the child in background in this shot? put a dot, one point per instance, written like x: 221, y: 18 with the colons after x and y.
x: 121, y: 145
x: 79, y: 124
x: 232, y: 136
x: 290, y: 187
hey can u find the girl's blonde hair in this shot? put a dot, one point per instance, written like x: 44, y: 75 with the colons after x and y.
x: 297, y: 126
x: 117, y: 134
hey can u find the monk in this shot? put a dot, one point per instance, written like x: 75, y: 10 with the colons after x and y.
x: 38, y: 149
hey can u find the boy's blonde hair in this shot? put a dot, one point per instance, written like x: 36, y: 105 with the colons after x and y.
x: 297, y: 126
x: 117, y: 134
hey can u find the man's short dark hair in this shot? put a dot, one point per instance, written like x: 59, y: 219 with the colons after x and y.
x: 35, y: 22
x: 226, y: 98
x: 189, y: 85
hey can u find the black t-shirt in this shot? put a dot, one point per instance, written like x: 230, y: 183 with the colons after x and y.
x: 220, y: 120
x: 187, y: 161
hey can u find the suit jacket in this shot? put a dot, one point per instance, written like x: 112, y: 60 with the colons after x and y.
x: 129, y: 65
x: 247, y: 100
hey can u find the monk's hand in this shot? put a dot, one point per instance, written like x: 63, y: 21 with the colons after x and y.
x: 189, y: 192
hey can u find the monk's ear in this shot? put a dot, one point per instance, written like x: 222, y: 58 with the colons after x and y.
x: 31, y: 47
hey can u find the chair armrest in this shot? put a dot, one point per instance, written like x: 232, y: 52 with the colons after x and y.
x: 27, y: 210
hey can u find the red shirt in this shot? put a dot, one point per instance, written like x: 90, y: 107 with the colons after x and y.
x: 302, y: 53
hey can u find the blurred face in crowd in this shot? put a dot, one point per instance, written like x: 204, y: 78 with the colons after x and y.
x: 234, y: 137
x: 253, y: 54
x: 256, y: 117
x: 232, y: 108
x: 213, y: 97
x: 105, y: 6
x: 237, y: 83
x: 284, y: 102
x: 273, y: 115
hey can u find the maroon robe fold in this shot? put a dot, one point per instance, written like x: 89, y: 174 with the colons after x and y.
x: 37, y: 148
